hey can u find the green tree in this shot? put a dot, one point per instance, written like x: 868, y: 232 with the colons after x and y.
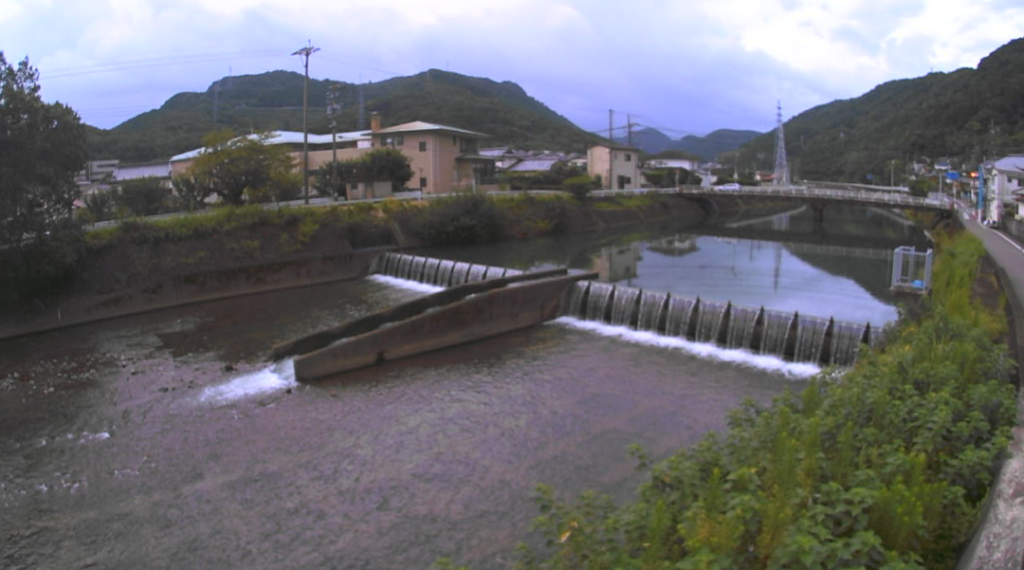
x: 42, y: 146
x: 343, y: 175
x: 384, y: 164
x: 191, y: 190
x: 232, y: 165
x: 100, y: 205
x: 143, y: 197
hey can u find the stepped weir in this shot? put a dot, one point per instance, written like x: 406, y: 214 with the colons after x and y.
x: 478, y: 301
x: 790, y: 336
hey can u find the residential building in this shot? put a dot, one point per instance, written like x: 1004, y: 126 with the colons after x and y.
x: 442, y: 158
x: 617, y: 166
x: 690, y: 164
x: 1004, y: 183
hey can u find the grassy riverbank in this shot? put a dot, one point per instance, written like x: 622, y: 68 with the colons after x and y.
x: 886, y: 466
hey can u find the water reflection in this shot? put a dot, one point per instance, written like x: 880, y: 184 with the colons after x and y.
x: 837, y: 270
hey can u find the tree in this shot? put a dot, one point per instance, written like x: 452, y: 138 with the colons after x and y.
x: 192, y: 191
x: 384, y: 164
x: 143, y: 197
x: 232, y: 165
x: 42, y: 147
x: 344, y: 174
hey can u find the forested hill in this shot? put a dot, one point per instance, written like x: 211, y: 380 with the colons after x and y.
x: 708, y: 147
x: 966, y: 115
x: 273, y: 100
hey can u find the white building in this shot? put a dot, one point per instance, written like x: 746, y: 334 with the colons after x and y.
x: 1003, y: 185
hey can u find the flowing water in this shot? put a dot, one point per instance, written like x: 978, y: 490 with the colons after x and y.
x: 168, y: 440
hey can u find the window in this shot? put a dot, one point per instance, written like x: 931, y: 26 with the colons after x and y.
x: 423, y: 146
x: 423, y: 180
x: 455, y: 141
x: 629, y: 157
x: 400, y: 140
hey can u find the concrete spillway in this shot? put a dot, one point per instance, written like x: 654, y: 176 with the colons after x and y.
x: 480, y: 301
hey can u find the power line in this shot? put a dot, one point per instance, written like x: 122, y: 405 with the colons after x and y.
x: 146, y: 63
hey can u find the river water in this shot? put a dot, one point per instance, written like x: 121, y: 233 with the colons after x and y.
x: 167, y: 440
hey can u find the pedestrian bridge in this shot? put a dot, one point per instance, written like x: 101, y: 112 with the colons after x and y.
x: 817, y: 197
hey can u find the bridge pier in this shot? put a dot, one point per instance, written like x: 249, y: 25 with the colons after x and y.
x: 819, y: 214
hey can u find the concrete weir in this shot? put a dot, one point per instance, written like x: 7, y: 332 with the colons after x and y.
x: 457, y: 315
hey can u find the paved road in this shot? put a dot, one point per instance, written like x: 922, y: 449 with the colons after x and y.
x: 1000, y: 544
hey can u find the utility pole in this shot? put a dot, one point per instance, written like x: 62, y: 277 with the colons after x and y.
x: 611, y: 141
x: 629, y: 130
x: 304, y: 53
x: 334, y: 111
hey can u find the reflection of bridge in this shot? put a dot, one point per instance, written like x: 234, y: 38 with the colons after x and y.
x: 817, y: 238
x: 856, y: 252
x: 818, y: 198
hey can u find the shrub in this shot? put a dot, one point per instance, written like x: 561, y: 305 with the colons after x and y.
x: 579, y: 186
x: 462, y: 219
x: 143, y: 197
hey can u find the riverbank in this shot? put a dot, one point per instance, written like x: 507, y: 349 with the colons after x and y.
x: 889, y: 464
x: 140, y: 266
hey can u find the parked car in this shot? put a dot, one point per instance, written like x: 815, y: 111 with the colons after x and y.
x: 729, y: 186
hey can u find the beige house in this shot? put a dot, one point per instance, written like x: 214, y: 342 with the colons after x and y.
x: 442, y: 158
x: 618, y: 166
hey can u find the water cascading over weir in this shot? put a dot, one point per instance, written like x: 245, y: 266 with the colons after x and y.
x: 790, y: 336
x: 479, y: 301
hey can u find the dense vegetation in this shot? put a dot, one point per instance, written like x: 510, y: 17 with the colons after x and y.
x: 967, y: 115
x: 42, y: 146
x: 707, y: 147
x: 273, y: 101
x: 884, y: 467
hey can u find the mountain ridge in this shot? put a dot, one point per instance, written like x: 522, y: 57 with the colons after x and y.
x: 273, y: 101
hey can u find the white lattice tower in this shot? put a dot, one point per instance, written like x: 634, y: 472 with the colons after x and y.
x: 781, y: 177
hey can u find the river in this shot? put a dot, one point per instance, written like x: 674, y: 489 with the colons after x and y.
x: 166, y: 440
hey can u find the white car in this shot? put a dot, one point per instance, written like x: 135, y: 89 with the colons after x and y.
x: 730, y: 186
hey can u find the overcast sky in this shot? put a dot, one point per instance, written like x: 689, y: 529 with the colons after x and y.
x: 687, y: 66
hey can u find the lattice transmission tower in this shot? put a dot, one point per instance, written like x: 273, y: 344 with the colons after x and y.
x: 781, y: 177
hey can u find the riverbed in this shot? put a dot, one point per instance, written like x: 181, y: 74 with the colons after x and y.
x: 167, y: 440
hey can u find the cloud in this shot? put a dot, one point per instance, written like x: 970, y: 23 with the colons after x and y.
x: 690, y: 66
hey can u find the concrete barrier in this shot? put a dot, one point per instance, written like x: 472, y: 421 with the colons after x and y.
x: 474, y: 317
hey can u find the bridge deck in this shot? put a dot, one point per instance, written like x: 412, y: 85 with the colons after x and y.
x: 802, y: 194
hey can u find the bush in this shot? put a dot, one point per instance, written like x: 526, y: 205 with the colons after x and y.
x: 100, y: 205
x: 143, y: 197
x: 462, y: 219
x: 579, y: 186
x: 41, y: 268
